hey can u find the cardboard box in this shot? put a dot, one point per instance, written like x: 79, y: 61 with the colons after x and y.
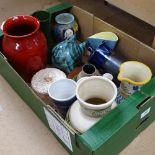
x: 119, y: 127
x: 143, y: 9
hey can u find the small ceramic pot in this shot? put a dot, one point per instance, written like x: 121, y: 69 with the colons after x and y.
x: 96, y: 94
x: 65, y: 26
x: 88, y: 70
x: 62, y: 92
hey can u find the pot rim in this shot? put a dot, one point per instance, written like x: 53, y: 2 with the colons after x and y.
x: 101, y: 106
x: 59, y: 18
x: 65, y: 99
x: 23, y: 17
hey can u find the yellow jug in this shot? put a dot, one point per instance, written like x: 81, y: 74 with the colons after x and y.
x: 133, y: 75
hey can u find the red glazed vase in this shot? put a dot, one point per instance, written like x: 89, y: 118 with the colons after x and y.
x: 24, y: 45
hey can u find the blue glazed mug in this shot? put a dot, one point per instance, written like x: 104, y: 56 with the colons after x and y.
x: 98, y: 55
x: 63, y: 94
x: 103, y: 58
x: 109, y: 38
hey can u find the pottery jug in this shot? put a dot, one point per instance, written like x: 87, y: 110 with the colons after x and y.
x: 24, y: 45
x: 133, y: 75
x: 67, y: 54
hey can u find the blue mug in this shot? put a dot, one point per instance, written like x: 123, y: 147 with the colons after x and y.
x: 103, y: 58
x: 98, y: 55
x: 63, y: 94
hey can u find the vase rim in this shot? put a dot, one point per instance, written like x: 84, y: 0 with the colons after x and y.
x: 64, y: 18
x: 10, y: 22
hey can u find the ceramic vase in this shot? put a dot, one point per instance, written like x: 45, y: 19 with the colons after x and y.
x: 65, y: 26
x: 24, y: 45
x: 103, y: 92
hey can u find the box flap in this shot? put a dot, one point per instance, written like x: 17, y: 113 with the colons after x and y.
x: 128, y: 46
x: 146, y: 55
x: 85, y: 20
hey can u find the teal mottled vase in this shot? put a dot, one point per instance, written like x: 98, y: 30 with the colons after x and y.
x: 67, y: 54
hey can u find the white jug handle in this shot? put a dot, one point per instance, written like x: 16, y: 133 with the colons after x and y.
x: 108, y: 76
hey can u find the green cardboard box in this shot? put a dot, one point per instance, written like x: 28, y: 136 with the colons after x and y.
x: 119, y: 127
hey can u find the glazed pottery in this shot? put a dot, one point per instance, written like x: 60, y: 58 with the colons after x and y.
x: 119, y: 98
x: 96, y: 87
x: 109, y: 38
x: 98, y: 56
x: 44, y: 18
x: 67, y: 54
x: 62, y: 92
x: 88, y: 70
x: 65, y: 26
x: 84, y: 122
x: 133, y: 75
x: 24, y: 45
x: 108, y: 62
x: 112, y: 63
